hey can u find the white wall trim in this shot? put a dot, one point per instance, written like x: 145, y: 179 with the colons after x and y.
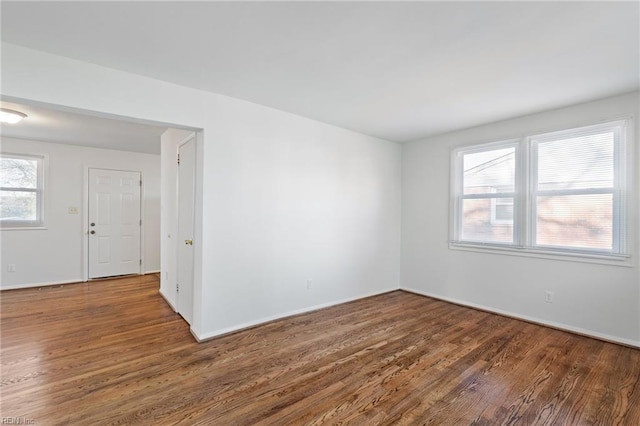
x: 186, y: 139
x: 40, y: 284
x: 67, y: 282
x: 84, y: 218
x: 168, y: 300
x: 535, y: 320
x: 236, y: 328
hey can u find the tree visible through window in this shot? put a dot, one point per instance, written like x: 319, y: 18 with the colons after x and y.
x: 21, y: 190
x: 560, y: 191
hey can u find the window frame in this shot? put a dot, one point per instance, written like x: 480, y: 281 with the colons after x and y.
x: 618, y: 188
x: 41, y: 164
x: 458, y: 189
x: 524, y: 208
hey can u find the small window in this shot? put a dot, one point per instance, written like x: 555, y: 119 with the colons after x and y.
x: 560, y: 192
x: 21, y: 190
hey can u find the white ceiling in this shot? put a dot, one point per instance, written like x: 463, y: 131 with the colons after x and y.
x: 57, y: 126
x: 396, y: 70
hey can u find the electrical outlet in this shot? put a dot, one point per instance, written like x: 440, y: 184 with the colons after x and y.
x: 548, y: 296
x: 309, y: 284
x: 11, y: 267
x: 73, y: 210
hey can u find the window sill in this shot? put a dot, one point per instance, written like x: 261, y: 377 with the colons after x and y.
x: 602, y: 259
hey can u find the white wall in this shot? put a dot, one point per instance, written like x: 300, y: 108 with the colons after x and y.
x: 55, y: 254
x: 288, y: 199
x: 279, y: 198
x: 601, y: 300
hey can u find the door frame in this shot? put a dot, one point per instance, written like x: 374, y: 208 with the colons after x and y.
x: 85, y: 218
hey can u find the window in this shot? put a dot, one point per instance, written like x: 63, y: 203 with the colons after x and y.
x: 21, y: 190
x: 560, y: 192
x: 488, y: 181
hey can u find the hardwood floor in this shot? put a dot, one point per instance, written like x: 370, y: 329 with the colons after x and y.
x: 112, y: 352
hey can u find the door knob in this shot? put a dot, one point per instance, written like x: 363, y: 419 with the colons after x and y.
x: 188, y: 242
x: 93, y: 232
x: 93, y: 224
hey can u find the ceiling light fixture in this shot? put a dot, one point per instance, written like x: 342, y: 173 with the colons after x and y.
x: 10, y: 116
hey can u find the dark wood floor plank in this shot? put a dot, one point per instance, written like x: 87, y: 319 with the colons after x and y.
x: 113, y: 352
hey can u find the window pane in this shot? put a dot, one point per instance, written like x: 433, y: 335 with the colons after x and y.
x: 578, y: 162
x: 489, y: 171
x: 18, y: 172
x: 17, y: 205
x: 479, y: 225
x: 575, y: 221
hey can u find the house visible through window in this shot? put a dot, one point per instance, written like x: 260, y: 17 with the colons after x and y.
x: 560, y: 192
x: 502, y: 211
x: 21, y: 190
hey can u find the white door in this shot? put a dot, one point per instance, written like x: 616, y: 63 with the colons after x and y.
x: 114, y: 223
x: 186, y: 185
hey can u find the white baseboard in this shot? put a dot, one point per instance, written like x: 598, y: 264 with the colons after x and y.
x: 552, y: 324
x: 42, y: 284
x: 201, y: 337
x: 151, y: 272
x: 168, y: 300
x: 51, y: 283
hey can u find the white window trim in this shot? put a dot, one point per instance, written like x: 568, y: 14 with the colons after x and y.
x: 524, y: 213
x: 43, y: 162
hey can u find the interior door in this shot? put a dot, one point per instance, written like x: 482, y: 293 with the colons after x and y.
x: 186, y: 193
x: 114, y: 223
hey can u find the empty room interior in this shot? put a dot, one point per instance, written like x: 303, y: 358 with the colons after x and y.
x: 284, y: 213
